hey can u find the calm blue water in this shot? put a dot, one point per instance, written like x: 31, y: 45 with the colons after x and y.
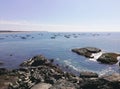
x: 17, y: 47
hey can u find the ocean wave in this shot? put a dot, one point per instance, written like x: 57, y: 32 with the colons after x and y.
x: 69, y: 63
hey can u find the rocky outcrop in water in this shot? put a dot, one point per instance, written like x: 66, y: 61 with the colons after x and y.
x: 108, y: 58
x: 87, y: 51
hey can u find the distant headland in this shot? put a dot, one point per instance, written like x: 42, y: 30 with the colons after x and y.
x: 7, y: 31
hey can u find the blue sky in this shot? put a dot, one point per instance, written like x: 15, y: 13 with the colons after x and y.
x: 60, y: 15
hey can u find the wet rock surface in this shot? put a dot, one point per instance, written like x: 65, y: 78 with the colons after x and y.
x: 108, y: 58
x: 87, y: 51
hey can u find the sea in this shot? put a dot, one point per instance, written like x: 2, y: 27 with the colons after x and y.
x: 16, y: 47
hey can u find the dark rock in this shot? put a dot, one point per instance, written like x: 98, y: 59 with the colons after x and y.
x: 36, y: 77
x: 23, y: 37
x: 67, y: 36
x: 57, y: 76
x: 24, y: 69
x: 11, y: 55
x: 87, y: 51
x: 88, y: 75
x: 51, y: 60
x: 108, y: 58
x: 3, y: 71
x: 63, y: 84
x: 52, y: 37
x: 1, y: 63
x: 92, y: 83
x: 93, y: 49
x: 104, y: 82
x: 50, y: 80
x: 113, y: 80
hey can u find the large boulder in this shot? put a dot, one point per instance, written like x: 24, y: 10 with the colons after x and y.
x: 87, y: 51
x: 108, y: 58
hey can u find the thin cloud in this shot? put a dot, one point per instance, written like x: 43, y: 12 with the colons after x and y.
x: 28, y: 26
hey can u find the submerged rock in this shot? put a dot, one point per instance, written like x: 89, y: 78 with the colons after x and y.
x: 87, y: 51
x: 108, y: 58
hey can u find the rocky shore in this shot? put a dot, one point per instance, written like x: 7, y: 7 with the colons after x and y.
x: 41, y: 73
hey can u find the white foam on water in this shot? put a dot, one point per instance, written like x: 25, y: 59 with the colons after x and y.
x: 96, y: 56
x: 69, y: 63
x: 118, y: 58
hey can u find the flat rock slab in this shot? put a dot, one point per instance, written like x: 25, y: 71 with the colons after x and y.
x: 41, y: 86
x: 112, y: 78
